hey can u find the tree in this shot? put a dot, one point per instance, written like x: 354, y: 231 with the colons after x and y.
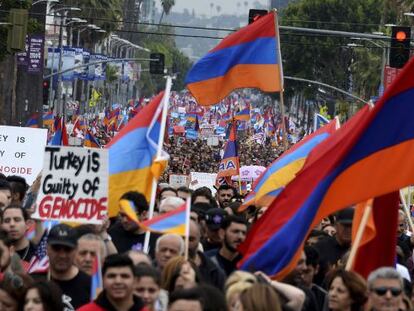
x: 166, y: 8
x: 218, y: 8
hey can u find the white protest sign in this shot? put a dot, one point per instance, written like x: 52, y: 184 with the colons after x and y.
x: 206, y: 130
x: 199, y: 180
x: 213, y: 141
x: 21, y: 151
x: 74, y: 185
x: 177, y: 180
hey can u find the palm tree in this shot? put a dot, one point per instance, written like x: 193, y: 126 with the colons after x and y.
x: 218, y: 8
x: 166, y: 8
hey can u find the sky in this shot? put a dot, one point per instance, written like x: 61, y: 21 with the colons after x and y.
x: 203, y: 6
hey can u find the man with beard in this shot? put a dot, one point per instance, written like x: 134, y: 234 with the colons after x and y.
x: 75, y: 284
x: 210, y: 272
x: 15, y: 222
x: 232, y: 233
x: 224, y: 195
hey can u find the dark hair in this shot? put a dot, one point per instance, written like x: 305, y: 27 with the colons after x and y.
x: 50, y: 295
x: 18, y: 185
x: 312, y: 256
x: 2, y: 176
x: 355, y: 284
x: 214, y: 299
x: 25, y: 214
x: 204, y: 192
x: 227, y: 187
x: 194, y: 293
x: 142, y: 270
x: 5, y: 238
x: 5, y: 185
x: 166, y: 189
x: 184, y: 189
x: 138, y: 199
x: 228, y: 220
x: 117, y: 260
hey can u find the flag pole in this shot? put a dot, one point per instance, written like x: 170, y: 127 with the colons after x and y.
x: 165, y: 101
x: 356, y: 243
x: 279, y: 61
x: 407, y: 211
x: 238, y: 164
x: 187, y: 227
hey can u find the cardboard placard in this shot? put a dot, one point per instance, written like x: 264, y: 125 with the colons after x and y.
x: 178, y: 180
x: 199, y: 180
x: 21, y: 151
x: 74, y: 185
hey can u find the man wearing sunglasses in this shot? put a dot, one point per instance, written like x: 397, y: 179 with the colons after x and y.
x: 385, y: 289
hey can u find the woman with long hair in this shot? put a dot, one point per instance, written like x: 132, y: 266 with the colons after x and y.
x: 43, y: 296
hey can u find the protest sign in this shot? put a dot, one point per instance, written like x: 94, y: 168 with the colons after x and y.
x: 21, y: 151
x: 178, y: 180
x: 199, y: 180
x: 74, y: 185
x: 213, y: 141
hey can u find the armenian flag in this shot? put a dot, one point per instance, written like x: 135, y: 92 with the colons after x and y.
x: 247, y: 58
x: 48, y: 118
x: 243, y: 115
x: 229, y: 165
x: 32, y: 122
x: 96, y: 279
x: 368, y: 157
x: 273, y: 180
x: 90, y: 140
x: 171, y: 222
x: 60, y: 137
x: 132, y: 166
x: 128, y: 208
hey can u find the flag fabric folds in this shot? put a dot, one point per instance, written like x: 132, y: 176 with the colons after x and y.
x: 243, y: 115
x: 96, y: 279
x: 272, y: 181
x: 171, y: 222
x: 32, y: 122
x: 48, y: 119
x: 245, y: 59
x: 131, y: 155
x: 60, y: 137
x: 91, y: 141
x: 366, y: 158
x: 229, y: 165
x: 128, y: 208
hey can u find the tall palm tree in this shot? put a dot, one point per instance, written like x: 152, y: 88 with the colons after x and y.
x: 166, y: 8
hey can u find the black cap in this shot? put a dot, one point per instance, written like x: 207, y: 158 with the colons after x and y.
x: 345, y: 216
x: 215, y: 217
x: 63, y: 234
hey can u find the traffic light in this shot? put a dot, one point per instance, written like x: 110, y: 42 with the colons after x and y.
x: 255, y: 14
x: 400, y: 46
x: 46, y: 85
x: 16, y: 37
x: 157, y: 63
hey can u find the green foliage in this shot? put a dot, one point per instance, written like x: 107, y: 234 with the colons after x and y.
x: 111, y: 73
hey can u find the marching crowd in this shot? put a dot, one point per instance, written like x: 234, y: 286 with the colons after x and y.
x: 169, y: 277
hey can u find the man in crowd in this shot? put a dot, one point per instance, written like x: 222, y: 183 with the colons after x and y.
x: 75, y: 284
x: 126, y: 234
x: 184, y: 192
x: 169, y: 204
x: 167, y: 192
x: 213, y: 219
x: 232, y: 233
x: 385, y: 287
x: 90, y: 246
x: 15, y: 222
x: 224, y: 195
x: 118, y: 287
x: 167, y: 247
x: 5, y: 189
x: 209, y: 271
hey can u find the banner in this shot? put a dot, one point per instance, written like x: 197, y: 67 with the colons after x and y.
x: 178, y: 180
x: 68, y: 61
x: 21, y: 151
x: 85, y: 70
x: 74, y: 185
x: 35, y: 54
x: 199, y: 180
x: 78, y: 61
x: 53, y: 58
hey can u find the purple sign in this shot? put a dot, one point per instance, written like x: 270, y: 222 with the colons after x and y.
x: 35, y: 54
x: 22, y: 56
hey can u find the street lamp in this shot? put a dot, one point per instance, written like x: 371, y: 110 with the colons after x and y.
x: 49, y: 1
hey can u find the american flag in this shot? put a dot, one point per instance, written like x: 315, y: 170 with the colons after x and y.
x: 40, y: 261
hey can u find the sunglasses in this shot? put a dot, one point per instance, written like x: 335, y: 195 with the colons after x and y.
x: 381, y: 291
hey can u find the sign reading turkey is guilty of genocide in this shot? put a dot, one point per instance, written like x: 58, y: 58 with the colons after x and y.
x: 74, y: 185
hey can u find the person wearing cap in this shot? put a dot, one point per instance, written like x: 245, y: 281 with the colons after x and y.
x: 213, y: 220
x: 232, y: 233
x: 331, y: 249
x: 61, y: 249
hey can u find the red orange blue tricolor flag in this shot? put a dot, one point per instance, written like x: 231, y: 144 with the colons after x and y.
x: 247, y: 58
x: 90, y: 140
x: 229, y: 165
x: 96, y: 279
x: 368, y: 157
x: 132, y: 165
x: 60, y: 137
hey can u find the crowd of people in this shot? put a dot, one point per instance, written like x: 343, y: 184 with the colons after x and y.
x: 167, y: 276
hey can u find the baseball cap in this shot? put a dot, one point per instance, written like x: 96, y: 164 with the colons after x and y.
x: 215, y: 217
x: 345, y: 216
x: 63, y: 234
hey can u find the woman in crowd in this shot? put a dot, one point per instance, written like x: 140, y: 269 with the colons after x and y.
x: 148, y: 288
x: 347, y: 291
x: 258, y: 297
x: 43, y: 296
x: 179, y: 273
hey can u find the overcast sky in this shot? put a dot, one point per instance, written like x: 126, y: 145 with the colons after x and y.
x: 203, y: 6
